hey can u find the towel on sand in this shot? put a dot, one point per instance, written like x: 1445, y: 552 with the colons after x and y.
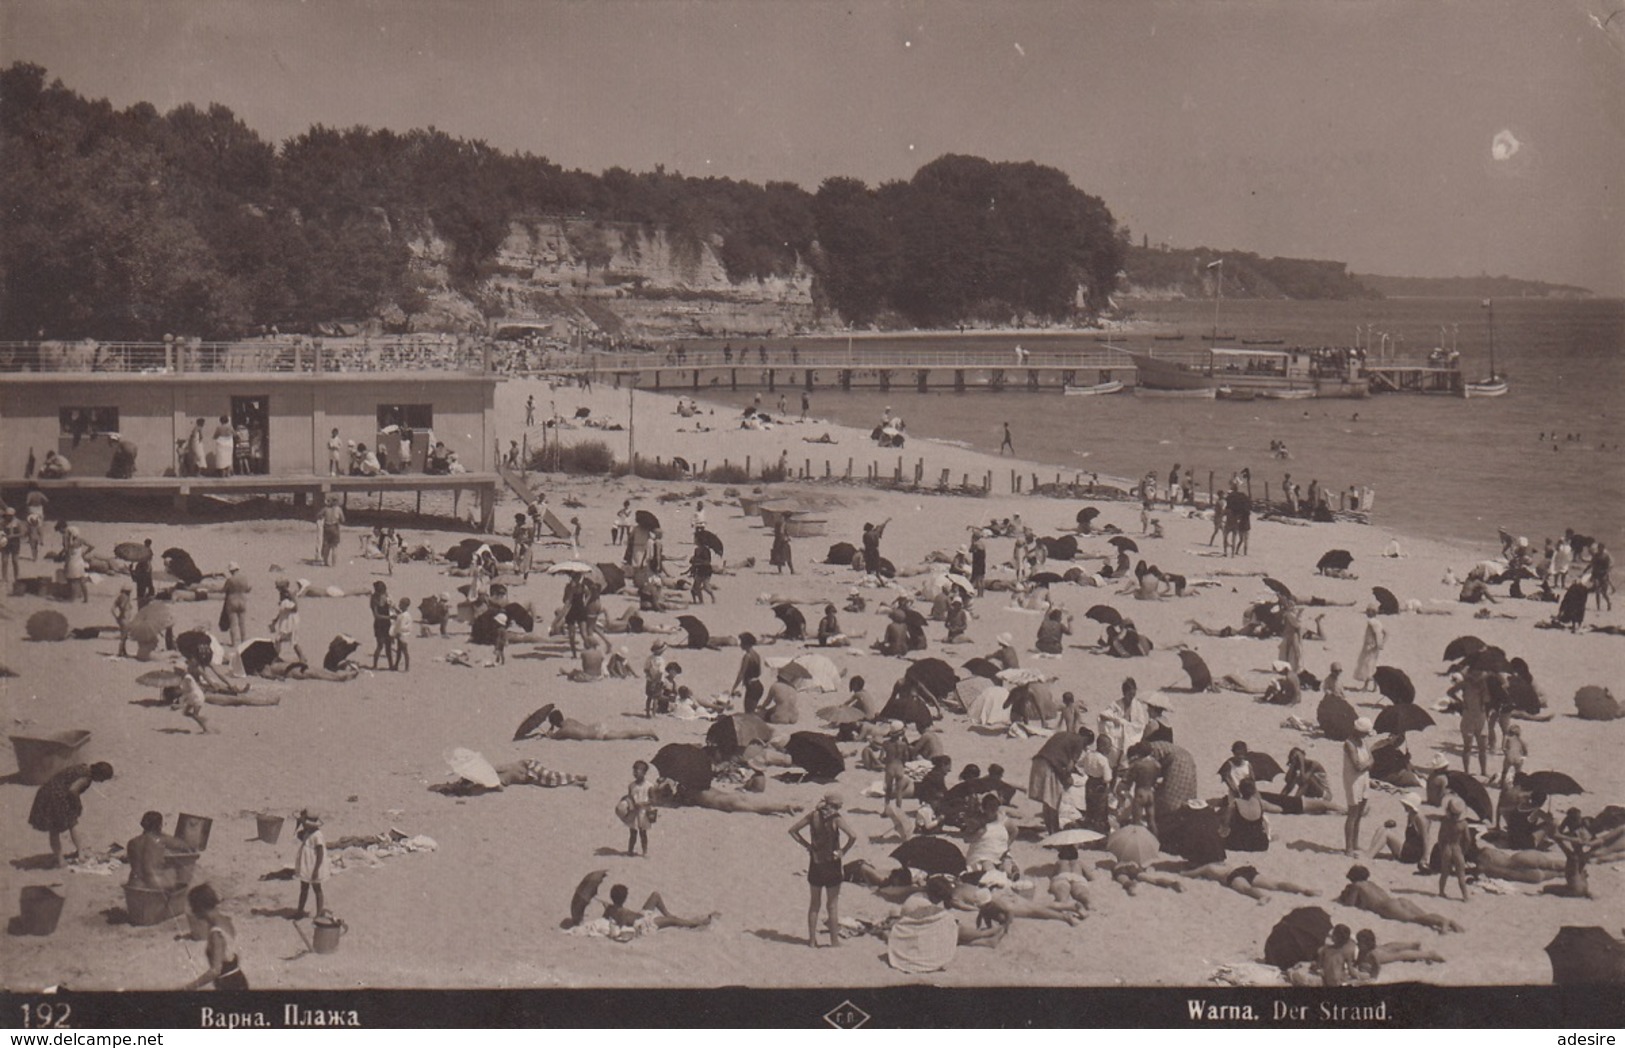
x: 923, y: 939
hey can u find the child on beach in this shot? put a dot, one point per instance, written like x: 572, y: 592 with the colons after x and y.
x: 1513, y: 754
x: 123, y: 611
x: 640, y: 812
x: 499, y: 643
x: 400, y: 631
x: 310, y: 865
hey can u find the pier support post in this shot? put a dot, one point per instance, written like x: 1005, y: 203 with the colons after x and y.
x: 885, y: 381
x: 959, y: 380
x: 733, y: 379
x: 807, y: 380
x: 696, y: 380
x: 922, y: 380
x: 995, y: 380
x: 1032, y: 379
x: 772, y: 380
x: 846, y: 380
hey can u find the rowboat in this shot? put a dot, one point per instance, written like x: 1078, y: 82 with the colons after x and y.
x: 1287, y: 394
x: 1494, y: 387
x: 1232, y: 393
x: 1098, y: 390
x: 1199, y: 393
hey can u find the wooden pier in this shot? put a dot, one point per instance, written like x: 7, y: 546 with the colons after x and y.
x: 1398, y: 378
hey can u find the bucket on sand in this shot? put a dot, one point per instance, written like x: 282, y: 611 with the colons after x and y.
x: 328, y: 931
x: 270, y: 827
x: 40, y: 757
x: 149, y: 906
x: 194, y: 830
x: 41, y: 909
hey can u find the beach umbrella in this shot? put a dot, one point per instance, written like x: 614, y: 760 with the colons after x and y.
x: 1594, y: 702
x: 256, y: 654
x: 1610, y: 818
x: 519, y: 617
x: 1472, y: 791
x: 570, y: 567
x: 1045, y: 578
x: 732, y: 732
x: 1521, y: 695
x: 47, y: 626
x: 1334, y: 560
x: 988, y: 706
x: 1297, y: 937
x: 1462, y: 647
x: 1489, y: 660
x: 1552, y: 783
x: 1336, y: 718
x: 502, y: 552
x: 612, y: 577
x: 1086, y: 517
x: 151, y: 622
x: 1104, y: 614
x: 709, y: 540
x: 1076, y: 837
x: 930, y: 855
x: 959, y: 582
x: 1265, y: 767
x: 816, y: 754
x: 1397, y: 720
x: 485, y: 627
x: 795, y: 623
x: 839, y: 715
x: 981, y: 667
x: 934, y: 675
x: 161, y: 678
x: 133, y: 551
x: 789, y: 671
x: 180, y: 564
x: 1587, y: 956
x: 473, y: 767
x: 1201, y: 677
x: 1124, y: 544
x: 197, y: 646
x: 647, y: 521
x: 1395, y: 685
x: 1387, y: 603
x: 821, y: 671
x: 1280, y: 588
x: 1193, y: 834
x: 685, y: 764
x: 339, y: 650
x: 583, y: 896
x: 909, y: 708
x: 1063, y: 548
x: 1571, y: 611
x: 698, y: 635
x: 841, y: 554
x: 532, y: 722
x: 1133, y: 843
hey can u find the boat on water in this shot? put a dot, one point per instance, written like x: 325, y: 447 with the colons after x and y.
x: 1231, y: 393
x: 1168, y: 338
x: 1100, y: 389
x: 1275, y: 374
x: 1287, y: 394
x: 1198, y: 393
x: 1490, y: 387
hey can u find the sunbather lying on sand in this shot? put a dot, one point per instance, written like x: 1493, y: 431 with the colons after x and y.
x: 1362, y: 894
x: 565, y: 729
x: 672, y: 795
x: 1246, y: 880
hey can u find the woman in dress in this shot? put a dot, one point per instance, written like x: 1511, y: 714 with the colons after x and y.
x: 57, y: 804
x: 1375, y: 637
x: 1291, y: 651
x: 1356, y: 780
x: 225, y: 973
x: 780, y: 556
x: 225, y: 444
x: 74, y: 551
x: 827, y: 854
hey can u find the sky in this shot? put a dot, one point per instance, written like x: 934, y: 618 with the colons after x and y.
x: 1404, y: 137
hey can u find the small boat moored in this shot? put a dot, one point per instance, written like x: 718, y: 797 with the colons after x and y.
x: 1098, y: 390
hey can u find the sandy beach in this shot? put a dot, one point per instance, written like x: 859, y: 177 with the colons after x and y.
x: 483, y: 908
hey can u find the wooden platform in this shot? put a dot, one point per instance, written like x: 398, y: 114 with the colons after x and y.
x: 482, y: 486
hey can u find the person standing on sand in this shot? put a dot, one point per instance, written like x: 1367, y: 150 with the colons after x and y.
x: 310, y: 864
x: 383, y: 621
x: 1376, y: 635
x: 1602, y: 567
x: 826, y: 853
x: 225, y: 970
x: 1356, y: 781
x: 639, y: 809
x: 1007, y: 442
x: 530, y: 411
x: 235, y: 612
x: 331, y: 521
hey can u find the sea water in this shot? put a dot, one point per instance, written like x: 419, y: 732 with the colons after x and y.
x: 1442, y: 467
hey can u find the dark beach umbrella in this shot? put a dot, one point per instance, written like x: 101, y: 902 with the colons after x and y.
x: 339, y: 650
x: 1124, y: 544
x: 913, y: 619
x: 1063, y: 548
x: 1046, y: 578
x: 613, y: 576
x: 1297, y: 937
x: 583, y: 896
x: 256, y: 655
x: 1086, y: 517
x: 795, y: 623
x: 730, y: 734
x: 1074, y: 575
x: 1395, y: 685
x: 1265, y: 767
x: 930, y: 855
x: 934, y: 675
x: 1586, y: 956
x: 47, y: 626
x: 885, y: 569
x: 1397, y: 720
x: 132, y: 551
x: 1553, y: 783
x: 815, y: 754
x: 1571, y: 611
x: 1201, y: 677
x: 1193, y: 835
x: 1472, y: 791
x: 151, y: 622
x: 698, y: 635
x: 909, y: 708
x: 196, y: 646
x: 841, y: 554
x: 1279, y: 587
x: 520, y: 616
x: 532, y: 722
x: 647, y: 521
x: 180, y: 564
x: 1521, y: 695
x: 1594, y: 702
x: 160, y: 678
x: 1610, y: 818
x: 502, y: 553
x: 685, y: 764
x: 462, y: 555
x: 981, y: 667
x: 1462, y: 647
x: 1489, y: 660
x: 1334, y: 560
x: 709, y: 540
x: 1387, y: 603
x: 484, y: 629
x: 1336, y: 718
x: 1104, y: 614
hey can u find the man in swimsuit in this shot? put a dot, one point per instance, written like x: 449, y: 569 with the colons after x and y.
x: 1362, y: 894
x: 565, y: 729
x: 1246, y: 880
x: 653, y: 914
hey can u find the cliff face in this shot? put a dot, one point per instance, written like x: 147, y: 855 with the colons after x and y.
x: 619, y: 278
